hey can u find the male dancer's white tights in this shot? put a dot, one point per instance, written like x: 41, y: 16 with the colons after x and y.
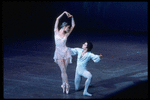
x: 87, y: 75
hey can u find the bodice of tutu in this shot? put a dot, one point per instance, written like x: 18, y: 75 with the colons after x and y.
x: 60, y: 42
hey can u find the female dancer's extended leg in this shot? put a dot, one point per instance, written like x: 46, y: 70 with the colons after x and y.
x: 64, y: 77
x: 67, y: 84
x: 63, y: 63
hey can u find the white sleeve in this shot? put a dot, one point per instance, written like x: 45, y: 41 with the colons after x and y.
x: 95, y: 58
x: 73, y: 51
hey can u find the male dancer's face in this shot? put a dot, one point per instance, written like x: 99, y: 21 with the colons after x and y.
x: 84, y: 46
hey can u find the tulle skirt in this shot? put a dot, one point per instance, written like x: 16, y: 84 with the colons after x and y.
x: 62, y: 53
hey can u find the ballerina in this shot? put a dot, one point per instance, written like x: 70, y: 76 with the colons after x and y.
x: 62, y: 55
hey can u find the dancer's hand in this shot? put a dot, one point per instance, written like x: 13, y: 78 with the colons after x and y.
x: 66, y: 13
x: 100, y: 55
x: 69, y: 15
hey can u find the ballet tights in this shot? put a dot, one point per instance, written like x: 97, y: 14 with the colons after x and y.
x: 63, y: 67
x: 87, y: 75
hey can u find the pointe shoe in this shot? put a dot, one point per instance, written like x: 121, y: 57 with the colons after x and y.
x: 63, y: 87
x: 67, y: 88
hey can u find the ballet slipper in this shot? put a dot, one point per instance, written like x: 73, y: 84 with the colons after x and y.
x: 63, y: 87
x: 67, y: 88
x: 87, y: 94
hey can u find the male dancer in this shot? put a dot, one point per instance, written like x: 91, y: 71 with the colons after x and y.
x: 84, y: 55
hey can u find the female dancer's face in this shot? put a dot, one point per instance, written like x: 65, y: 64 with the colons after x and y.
x: 67, y: 28
x: 84, y: 46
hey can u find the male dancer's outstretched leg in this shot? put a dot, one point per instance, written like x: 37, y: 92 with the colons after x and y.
x: 87, y: 75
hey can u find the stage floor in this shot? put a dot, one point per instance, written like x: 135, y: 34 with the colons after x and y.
x: 29, y: 70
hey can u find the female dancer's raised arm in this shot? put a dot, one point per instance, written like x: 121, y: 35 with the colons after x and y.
x: 72, y: 24
x: 57, y: 21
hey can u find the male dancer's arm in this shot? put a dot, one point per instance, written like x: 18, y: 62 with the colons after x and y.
x: 73, y: 51
x: 96, y: 58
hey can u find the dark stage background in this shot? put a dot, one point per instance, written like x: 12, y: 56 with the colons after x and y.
x: 118, y: 30
x: 28, y: 20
